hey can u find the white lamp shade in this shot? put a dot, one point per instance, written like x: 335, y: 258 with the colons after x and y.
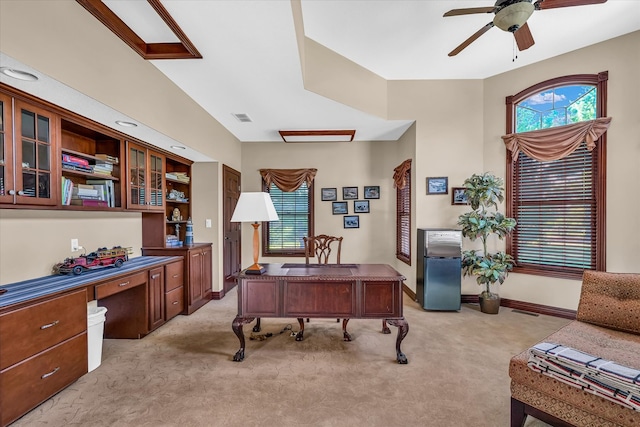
x: 254, y: 207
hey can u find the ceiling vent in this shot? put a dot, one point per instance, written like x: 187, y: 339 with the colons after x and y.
x: 340, y: 135
x: 242, y: 117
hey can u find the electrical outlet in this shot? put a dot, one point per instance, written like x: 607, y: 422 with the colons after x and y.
x: 75, y: 247
x: 208, y: 223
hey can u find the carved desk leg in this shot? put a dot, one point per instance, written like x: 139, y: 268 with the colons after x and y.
x: 346, y: 336
x: 237, y: 329
x: 385, y: 328
x: 403, y: 329
x: 257, y: 327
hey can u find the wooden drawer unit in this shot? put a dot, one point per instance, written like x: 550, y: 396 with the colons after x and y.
x: 37, y: 327
x: 174, y: 302
x: 29, y: 383
x: 174, y: 275
x: 119, y: 285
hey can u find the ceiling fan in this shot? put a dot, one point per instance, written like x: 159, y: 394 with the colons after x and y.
x: 511, y: 16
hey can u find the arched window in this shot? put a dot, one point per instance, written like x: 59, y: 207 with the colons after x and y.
x: 556, y: 176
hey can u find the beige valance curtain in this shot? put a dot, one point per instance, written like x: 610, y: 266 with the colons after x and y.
x: 288, y: 179
x: 399, y: 174
x: 557, y: 142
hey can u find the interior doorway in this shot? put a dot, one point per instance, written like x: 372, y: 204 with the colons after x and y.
x: 232, y: 250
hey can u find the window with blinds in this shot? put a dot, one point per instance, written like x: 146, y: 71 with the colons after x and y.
x: 559, y: 205
x: 403, y: 220
x: 555, y: 206
x: 295, y: 210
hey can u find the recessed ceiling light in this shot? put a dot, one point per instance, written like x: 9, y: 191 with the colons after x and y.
x: 178, y: 147
x: 126, y: 124
x: 18, y: 74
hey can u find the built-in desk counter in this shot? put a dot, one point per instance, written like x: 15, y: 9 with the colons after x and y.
x: 43, y: 324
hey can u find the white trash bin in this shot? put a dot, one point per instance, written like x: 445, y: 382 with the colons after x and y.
x: 95, y: 332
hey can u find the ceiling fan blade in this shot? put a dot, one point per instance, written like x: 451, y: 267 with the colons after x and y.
x: 469, y: 11
x: 471, y: 39
x: 523, y: 36
x: 552, y: 4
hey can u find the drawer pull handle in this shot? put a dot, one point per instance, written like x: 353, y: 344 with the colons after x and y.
x: 49, y: 325
x: 175, y: 302
x: 155, y: 276
x: 123, y: 284
x: 48, y: 374
x: 195, y: 255
x: 175, y: 275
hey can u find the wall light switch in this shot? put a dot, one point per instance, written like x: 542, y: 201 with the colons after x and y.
x: 208, y: 223
x: 75, y: 247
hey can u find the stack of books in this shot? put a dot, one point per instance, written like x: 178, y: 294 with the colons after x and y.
x: 89, y: 195
x: 172, y: 241
x: 103, y: 168
x: 178, y: 176
x: 107, y: 158
x: 75, y: 163
x: 67, y: 189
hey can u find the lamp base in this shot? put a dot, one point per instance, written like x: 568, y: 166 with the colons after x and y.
x: 255, y: 269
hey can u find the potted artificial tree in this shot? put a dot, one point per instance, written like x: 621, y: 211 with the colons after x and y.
x: 483, y: 193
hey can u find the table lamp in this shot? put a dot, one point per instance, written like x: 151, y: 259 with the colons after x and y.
x: 255, y: 208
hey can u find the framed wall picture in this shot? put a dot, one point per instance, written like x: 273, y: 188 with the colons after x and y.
x: 372, y: 192
x: 458, y: 197
x: 352, y: 221
x: 329, y: 194
x: 437, y: 185
x: 360, y: 206
x: 349, y: 193
x: 339, y: 208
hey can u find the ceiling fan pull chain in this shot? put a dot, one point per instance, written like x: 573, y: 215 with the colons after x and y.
x: 514, y: 54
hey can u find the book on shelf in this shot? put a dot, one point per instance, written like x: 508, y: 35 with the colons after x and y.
x: 105, y: 185
x: 67, y: 158
x: 76, y: 167
x: 67, y: 190
x: 107, y: 157
x: 89, y: 202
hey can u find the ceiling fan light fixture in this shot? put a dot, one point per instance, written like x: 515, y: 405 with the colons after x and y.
x: 514, y: 16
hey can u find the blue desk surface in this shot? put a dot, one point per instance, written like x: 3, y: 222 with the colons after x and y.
x: 33, y: 288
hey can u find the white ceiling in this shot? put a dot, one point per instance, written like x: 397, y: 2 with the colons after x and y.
x: 251, y: 64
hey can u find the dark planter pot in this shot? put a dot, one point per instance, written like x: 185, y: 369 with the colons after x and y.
x: 489, y: 303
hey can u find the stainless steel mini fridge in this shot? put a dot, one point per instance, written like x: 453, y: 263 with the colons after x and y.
x: 439, y: 274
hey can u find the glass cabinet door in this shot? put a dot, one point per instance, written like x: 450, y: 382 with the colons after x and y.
x: 137, y: 177
x: 35, y: 168
x: 156, y: 180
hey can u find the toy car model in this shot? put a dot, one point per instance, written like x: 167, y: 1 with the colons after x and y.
x: 101, y: 258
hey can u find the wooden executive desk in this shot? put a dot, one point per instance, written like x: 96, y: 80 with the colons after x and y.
x: 347, y: 291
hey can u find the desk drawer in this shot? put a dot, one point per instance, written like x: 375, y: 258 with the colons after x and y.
x: 27, y: 384
x: 37, y: 327
x: 174, y: 275
x: 120, y: 285
x: 174, y: 302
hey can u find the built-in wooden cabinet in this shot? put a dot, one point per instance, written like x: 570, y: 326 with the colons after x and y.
x: 174, y: 289
x: 197, y: 272
x: 145, y: 178
x: 28, y: 169
x: 156, y: 298
x: 47, y: 352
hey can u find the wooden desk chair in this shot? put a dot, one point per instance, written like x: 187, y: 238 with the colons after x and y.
x: 320, y: 248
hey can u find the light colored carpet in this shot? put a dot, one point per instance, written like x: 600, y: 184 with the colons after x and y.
x: 183, y: 373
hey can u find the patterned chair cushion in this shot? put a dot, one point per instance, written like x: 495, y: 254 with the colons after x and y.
x: 611, y: 300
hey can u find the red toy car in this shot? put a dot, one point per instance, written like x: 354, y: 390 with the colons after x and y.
x: 101, y: 258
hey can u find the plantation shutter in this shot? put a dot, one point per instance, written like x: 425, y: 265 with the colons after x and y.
x: 554, y: 204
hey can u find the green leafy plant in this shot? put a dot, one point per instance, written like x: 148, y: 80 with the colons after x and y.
x: 484, y: 192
